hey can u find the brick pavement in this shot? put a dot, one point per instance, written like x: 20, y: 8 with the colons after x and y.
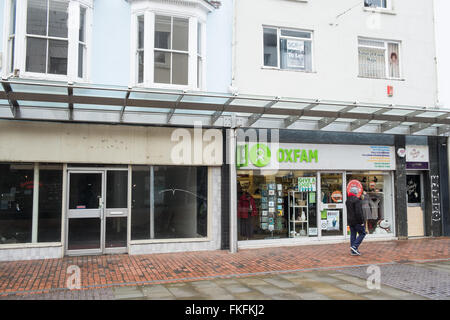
x: 115, y: 270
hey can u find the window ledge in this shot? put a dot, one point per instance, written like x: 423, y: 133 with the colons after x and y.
x: 48, y: 77
x: 380, y: 10
x: 53, y: 78
x: 161, y: 241
x: 388, y: 79
x: 29, y: 245
x: 166, y: 87
x: 288, y: 70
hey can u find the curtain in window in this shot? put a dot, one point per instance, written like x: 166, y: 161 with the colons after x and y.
x: 394, y: 61
x: 372, y: 62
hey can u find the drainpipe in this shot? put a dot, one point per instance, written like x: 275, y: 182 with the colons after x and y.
x: 233, y: 45
x: 231, y: 141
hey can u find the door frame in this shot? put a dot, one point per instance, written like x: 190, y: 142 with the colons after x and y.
x: 104, y: 212
x: 342, y: 206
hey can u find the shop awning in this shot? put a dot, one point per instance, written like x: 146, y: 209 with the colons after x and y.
x: 29, y: 100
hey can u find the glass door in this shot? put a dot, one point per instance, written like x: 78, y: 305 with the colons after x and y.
x: 85, y: 212
x: 97, y: 218
x: 332, y: 202
x: 116, y: 211
x: 416, y: 205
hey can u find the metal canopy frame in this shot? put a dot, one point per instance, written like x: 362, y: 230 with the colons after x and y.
x: 28, y: 100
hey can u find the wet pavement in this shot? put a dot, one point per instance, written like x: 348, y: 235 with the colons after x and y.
x: 398, y: 281
x: 413, y: 270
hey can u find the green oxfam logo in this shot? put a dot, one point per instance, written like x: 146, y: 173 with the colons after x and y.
x: 260, y: 155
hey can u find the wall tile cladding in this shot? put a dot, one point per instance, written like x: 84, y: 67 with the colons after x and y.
x: 30, y: 253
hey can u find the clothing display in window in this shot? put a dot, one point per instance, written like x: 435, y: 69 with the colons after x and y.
x: 366, y: 207
x: 376, y: 207
x: 246, y: 210
x: 247, y: 206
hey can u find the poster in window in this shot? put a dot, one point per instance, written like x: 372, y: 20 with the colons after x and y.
x: 333, y: 220
x: 413, y: 188
x: 295, y: 53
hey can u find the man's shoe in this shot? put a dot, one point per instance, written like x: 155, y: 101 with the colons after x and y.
x: 355, y: 251
x: 352, y: 253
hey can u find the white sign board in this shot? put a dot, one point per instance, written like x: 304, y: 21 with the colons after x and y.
x: 295, y: 53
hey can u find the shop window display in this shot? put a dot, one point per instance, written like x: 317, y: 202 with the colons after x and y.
x: 377, y: 207
x: 273, y: 206
x: 332, y: 214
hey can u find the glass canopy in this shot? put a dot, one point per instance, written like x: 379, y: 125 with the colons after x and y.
x: 49, y: 101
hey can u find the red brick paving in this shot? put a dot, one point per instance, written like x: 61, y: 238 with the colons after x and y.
x: 98, y: 271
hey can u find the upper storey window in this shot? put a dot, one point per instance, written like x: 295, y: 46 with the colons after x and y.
x: 379, y: 59
x: 169, y: 44
x: 47, y: 36
x: 376, y: 4
x: 51, y: 41
x: 171, y: 50
x: 288, y: 49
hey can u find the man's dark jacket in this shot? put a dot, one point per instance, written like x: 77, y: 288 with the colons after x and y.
x: 354, y: 210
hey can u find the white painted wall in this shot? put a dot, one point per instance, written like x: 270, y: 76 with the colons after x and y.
x: 442, y: 19
x: 335, y: 51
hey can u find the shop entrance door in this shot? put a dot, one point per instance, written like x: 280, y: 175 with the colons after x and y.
x: 97, y: 212
x: 331, y: 204
x: 416, y: 205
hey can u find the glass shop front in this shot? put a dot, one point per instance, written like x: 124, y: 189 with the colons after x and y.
x: 278, y: 201
x: 77, y: 206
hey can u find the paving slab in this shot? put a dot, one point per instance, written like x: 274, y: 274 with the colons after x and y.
x: 268, y: 289
x: 350, y: 287
x: 156, y: 292
x: 237, y: 288
x: 128, y: 292
x: 182, y: 291
x: 280, y: 282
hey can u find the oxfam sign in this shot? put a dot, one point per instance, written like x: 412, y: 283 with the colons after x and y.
x: 260, y: 155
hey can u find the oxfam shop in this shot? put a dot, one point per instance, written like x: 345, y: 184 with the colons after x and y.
x: 291, y: 193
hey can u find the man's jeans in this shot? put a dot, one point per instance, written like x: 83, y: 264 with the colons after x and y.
x: 361, y: 230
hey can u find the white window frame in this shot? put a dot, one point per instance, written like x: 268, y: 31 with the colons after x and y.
x: 72, y: 38
x: 386, y: 56
x: 173, y: 51
x: 139, y: 50
x: 201, y: 55
x: 279, y: 37
x: 388, y: 10
x: 10, y: 37
x: 195, y: 13
x: 84, y: 44
x: 388, y: 5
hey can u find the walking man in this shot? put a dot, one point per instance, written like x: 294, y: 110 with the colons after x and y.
x: 355, y: 219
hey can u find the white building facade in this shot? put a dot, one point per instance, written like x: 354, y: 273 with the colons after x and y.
x: 358, y: 55
x: 340, y: 38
